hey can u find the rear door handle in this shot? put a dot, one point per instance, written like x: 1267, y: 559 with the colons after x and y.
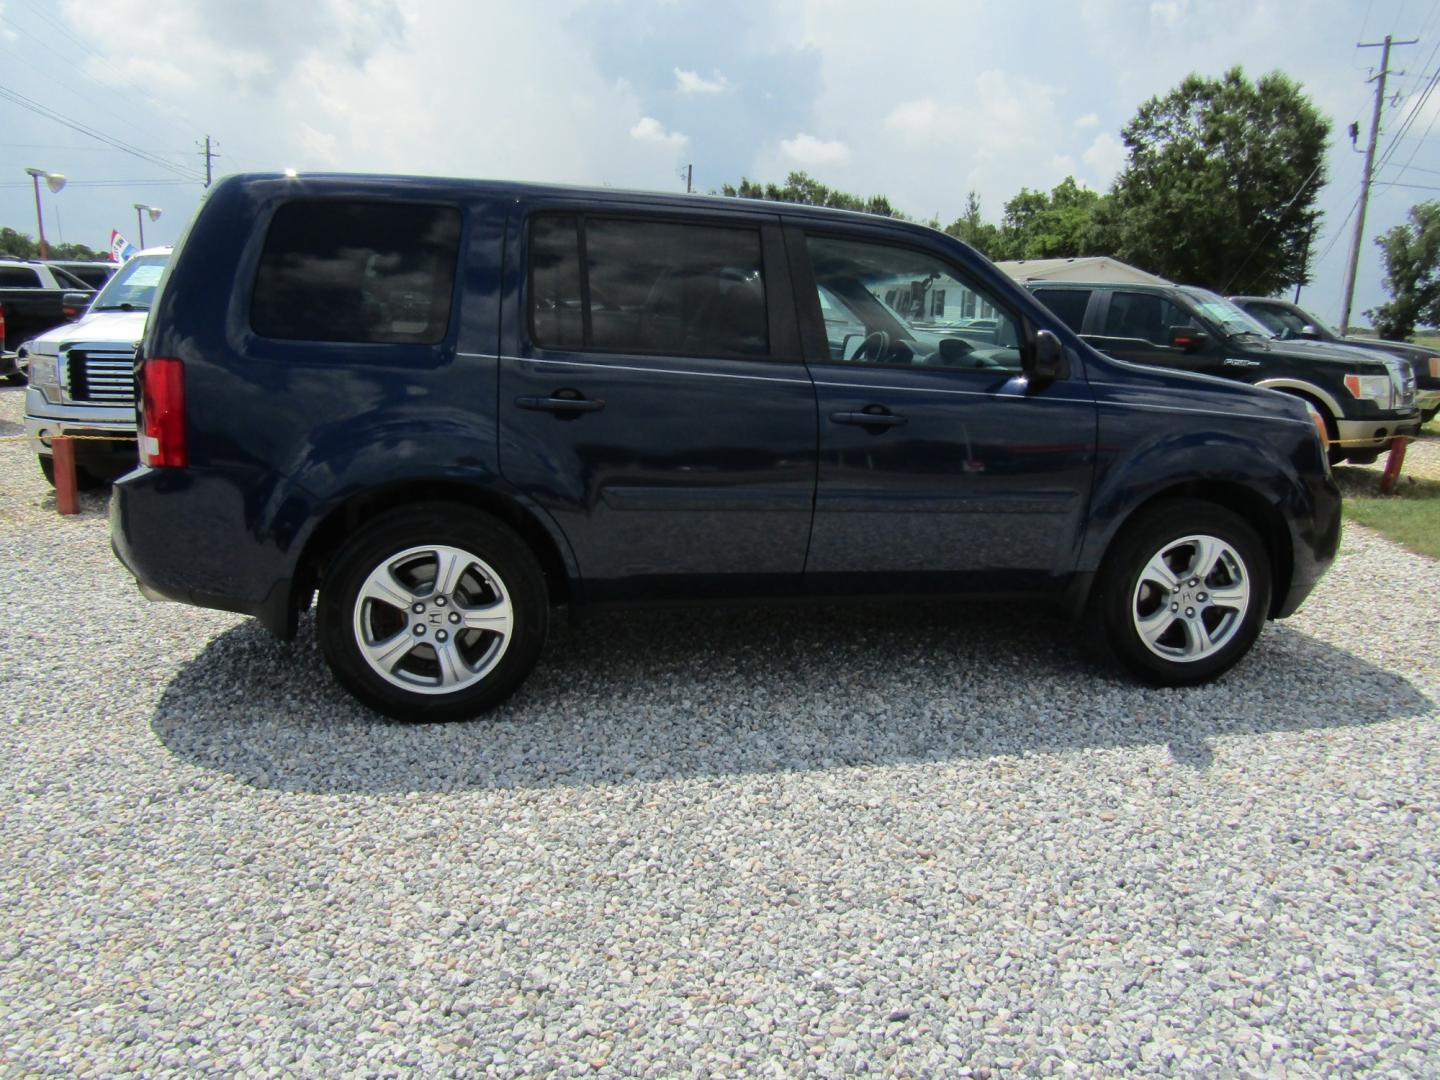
x: 561, y: 404
x: 868, y: 419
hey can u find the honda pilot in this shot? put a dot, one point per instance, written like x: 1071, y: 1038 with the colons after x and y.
x: 446, y: 407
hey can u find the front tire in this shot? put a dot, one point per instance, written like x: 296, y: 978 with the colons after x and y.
x: 436, y: 612
x: 1183, y: 592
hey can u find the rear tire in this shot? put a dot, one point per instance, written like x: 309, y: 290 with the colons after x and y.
x: 1183, y: 593
x: 1430, y: 414
x: 434, y: 612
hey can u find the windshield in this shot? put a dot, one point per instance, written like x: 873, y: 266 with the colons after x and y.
x: 133, y: 286
x: 1230, y: 319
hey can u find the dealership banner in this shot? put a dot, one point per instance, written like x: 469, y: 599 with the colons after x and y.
x: 120, y: 248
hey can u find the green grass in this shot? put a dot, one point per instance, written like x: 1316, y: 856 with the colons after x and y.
x: 1410, y: 517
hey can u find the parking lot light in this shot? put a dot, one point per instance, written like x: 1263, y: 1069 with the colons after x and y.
x: 54, y: 181
x: 140, y: 210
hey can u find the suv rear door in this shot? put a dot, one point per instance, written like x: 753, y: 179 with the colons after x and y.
x: 654, y: 402
x: 937, y: 459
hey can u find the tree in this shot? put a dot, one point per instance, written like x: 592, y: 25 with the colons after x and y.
x: 975, y: 231
x: 1221, y: 184
x: 1061, y: 224
x: 23, y: 247
x: 801, y: 188
x: 18, y: 244
x: 1411, y: 254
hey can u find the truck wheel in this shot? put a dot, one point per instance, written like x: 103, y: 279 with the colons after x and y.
x: 1183, y: 592
x: 436, y: 612
x: 1430, y: 414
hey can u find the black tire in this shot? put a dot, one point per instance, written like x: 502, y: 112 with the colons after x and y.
x: 1430, y: 414
x: 1120, y: 597
x: 513, y: 574
x: 1363, y: 457
x: 84, y: 481
x: 16, y: 378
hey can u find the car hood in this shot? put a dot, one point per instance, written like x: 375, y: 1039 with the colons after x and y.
x: 107, y: 326
x: 1322, y: 352
x: 1394, y: 348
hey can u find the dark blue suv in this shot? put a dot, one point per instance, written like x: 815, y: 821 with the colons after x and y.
x: 447, y: 406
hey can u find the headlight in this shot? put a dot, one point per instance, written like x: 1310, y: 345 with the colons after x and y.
x: 1435, y: 367
x: 44, y: 373
x: 1376, y: 388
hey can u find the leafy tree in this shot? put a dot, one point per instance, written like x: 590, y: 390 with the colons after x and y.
x: 23, y: 247
x: 802, y: 188
x: 1063, y: 223
x: 1411, y: 254
x: 1221, y: 185
x: 974, y: 230
x: 18, y: 244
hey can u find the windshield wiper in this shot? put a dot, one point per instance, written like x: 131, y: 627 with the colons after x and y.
x: 127, y: 306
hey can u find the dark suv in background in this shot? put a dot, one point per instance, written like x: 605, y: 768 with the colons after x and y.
x: 448, y: 405
x: 1291, y: 322
x: 1365, y: 398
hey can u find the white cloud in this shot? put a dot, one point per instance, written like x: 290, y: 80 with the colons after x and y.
x: 1106, y: 156
x: 1089, y: 120
x: 1169, y: 12
x: 807, y: 150
x: 1003, y: 113
x: 691, y: 82
x: 650, y: 130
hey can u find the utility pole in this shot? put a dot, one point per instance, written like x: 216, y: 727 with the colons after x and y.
x: 1359, y: 237
x: 208, y: 154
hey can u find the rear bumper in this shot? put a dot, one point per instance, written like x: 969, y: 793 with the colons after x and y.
x: 199, y: 548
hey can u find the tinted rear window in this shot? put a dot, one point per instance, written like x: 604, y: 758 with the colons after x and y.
x: 18, y: 277
x: 357, y: 272
x: 1068, y: 304
x: 649, y: 286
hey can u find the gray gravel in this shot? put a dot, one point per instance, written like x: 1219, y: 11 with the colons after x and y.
x: 915, y: 843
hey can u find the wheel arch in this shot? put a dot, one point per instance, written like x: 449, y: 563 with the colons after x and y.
x: 1243, y: 501
x: 1314, y: 394
x: 550, y: 549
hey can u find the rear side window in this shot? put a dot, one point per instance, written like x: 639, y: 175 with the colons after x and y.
x: 67, y: 280
x: 1068, y: 305
x: 647, y: 286
x: 18, y: 277
x: 357, y: 272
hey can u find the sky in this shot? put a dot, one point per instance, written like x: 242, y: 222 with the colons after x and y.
x: 922, y: 102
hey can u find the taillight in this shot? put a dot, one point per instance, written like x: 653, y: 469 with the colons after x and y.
x: 2, y: 326
x: 162, y: 410
x: 1434, y: 360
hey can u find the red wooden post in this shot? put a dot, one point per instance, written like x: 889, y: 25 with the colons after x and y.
x: 1393, y: 463
x: 66, y: 500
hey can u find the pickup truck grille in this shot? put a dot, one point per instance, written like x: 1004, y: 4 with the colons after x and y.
x: 102, y: 377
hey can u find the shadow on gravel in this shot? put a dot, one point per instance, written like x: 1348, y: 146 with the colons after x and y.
x: 674, y: 695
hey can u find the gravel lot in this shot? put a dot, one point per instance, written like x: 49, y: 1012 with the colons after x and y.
x: 709, y: 844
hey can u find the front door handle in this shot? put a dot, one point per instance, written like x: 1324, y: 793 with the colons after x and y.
x: 561, y: 404
x: 880, y: 417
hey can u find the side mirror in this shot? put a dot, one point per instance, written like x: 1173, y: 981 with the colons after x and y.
x: 1309, y: 333
x: 1188, y: 339
x: 75, y: 303
x: 1044, y: 360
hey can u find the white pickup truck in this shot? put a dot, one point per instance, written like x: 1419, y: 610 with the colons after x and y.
x: 82, y: 375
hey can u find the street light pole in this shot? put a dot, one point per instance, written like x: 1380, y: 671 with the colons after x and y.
x: 153, y: 211
x: 54, y: 181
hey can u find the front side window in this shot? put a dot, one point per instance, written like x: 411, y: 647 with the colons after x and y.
x: 647, y: 287
x: 1143, y: 315
x: 891, y: 305
x: 376, y: 272
x: 1281, y: 322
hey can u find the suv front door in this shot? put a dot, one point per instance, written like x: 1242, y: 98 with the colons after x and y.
x: 652, y: 399
x: 940, y: 466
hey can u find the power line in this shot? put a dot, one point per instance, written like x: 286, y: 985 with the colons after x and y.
x: 84, y: 129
